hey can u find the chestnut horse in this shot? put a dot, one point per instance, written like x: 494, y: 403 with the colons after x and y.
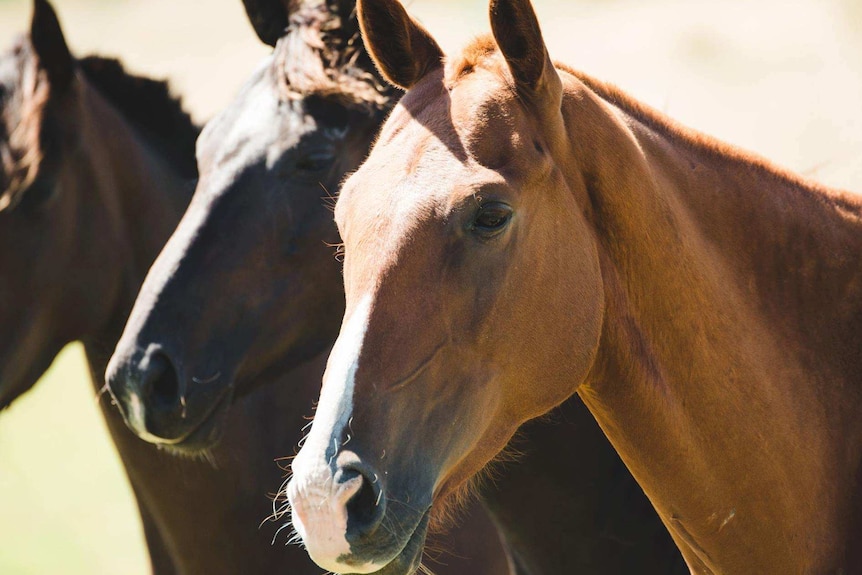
x: 97, y: 167
x: 251, y: 276
x: 520, y: 233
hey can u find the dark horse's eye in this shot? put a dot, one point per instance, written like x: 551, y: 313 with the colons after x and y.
x: 314, y: 162
x: 491, y: 218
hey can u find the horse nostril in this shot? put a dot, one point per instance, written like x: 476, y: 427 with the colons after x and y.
x: 161, y: 386
x: 366, y: 508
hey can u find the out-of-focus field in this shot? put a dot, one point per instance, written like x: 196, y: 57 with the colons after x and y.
x: 778, y: 77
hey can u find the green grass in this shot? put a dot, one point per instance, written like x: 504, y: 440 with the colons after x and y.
x: 65, y: 504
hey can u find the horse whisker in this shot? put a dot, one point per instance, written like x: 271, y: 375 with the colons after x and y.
x: 102, y: 391
x: 279, y: 530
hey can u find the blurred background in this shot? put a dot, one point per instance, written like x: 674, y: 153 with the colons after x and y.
x: 779, y: 77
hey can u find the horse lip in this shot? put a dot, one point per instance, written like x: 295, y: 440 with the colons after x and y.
x: 206, y: 423
x: 418, y: 551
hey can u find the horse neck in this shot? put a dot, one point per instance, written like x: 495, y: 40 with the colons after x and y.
x: 725, y: 373
x: 141, y: 198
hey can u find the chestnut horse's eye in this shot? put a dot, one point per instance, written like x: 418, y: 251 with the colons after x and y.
x: 491, y: 219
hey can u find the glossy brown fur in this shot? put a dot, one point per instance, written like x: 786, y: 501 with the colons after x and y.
x: 705, y: 305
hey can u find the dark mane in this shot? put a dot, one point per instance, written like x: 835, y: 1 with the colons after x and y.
x: 149, y: 106
x: 322, y: 54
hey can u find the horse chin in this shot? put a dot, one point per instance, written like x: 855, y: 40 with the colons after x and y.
x: 410, y: 557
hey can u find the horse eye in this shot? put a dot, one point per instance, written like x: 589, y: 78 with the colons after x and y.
x: 315, y: 162
x: 491, y: 218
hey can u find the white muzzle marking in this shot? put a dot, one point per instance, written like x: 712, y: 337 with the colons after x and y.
x: 318, y: 502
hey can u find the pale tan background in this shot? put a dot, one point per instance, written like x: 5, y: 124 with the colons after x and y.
x: 778, y: 77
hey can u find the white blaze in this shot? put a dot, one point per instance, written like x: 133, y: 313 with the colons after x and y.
x: 318, y: 502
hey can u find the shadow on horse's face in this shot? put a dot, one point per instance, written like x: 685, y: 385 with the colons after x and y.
x: 454, y: 284
x: 53, y: 285
x: 247, y: 285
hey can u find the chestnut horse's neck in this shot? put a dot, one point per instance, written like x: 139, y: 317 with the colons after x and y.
x: 727, y: 372
x: 139, y: 194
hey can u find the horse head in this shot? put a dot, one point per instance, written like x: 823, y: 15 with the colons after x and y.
x: 43, y: 205
x: 474, y: 292
x: 247, y: 286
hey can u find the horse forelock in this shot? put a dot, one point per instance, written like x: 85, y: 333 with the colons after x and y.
x: 322, y: 55
x: 20, y: 130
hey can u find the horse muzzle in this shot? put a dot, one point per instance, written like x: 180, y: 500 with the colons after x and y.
x: 340, y: 509
x: 160, y: 407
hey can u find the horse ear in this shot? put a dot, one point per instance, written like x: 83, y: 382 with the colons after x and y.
x: 401, y: 48
x: 269, y: 18
x: 50, y: 45
x: 517, y: 33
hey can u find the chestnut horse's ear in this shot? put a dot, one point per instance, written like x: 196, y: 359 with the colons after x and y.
x: 517, y: 33
x: 50, y: 45
x: 269, y: 18
x: 401, y: 48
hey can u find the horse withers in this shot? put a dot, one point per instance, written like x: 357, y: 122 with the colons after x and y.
x: 248, y: 290
x: 522, y: 232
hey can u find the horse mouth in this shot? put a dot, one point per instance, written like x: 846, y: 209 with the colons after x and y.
x: 407, y: 561
x: 205, y: 433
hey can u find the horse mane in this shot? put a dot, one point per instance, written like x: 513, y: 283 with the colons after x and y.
x: 322, y: 55
x: 484, y: 48
x: 150, y: 107
x: 665, y: 125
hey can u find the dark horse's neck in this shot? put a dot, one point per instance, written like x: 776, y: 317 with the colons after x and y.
x: 727, y: 371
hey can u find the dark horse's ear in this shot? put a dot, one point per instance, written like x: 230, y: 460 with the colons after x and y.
x: 269, y: 18
x: 401, y: 48
x: 517, y: 33
x: 50, y: 45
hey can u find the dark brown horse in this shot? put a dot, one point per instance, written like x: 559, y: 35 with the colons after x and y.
x: 258, y: 211
x: 97, y: 167
x: 521, y: 233
x: 247, y: 288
